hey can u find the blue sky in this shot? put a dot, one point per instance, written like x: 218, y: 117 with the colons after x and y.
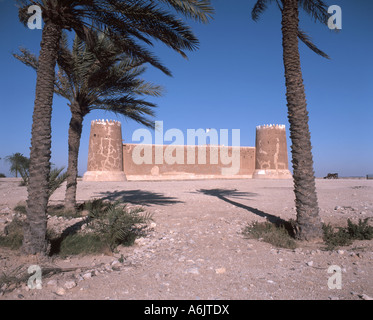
x: 234, y: 81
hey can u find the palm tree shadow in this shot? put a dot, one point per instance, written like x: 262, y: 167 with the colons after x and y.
x: 139, y: 197
x: 222, y: 194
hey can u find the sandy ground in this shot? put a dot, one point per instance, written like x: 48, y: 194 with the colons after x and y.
x: 196, y: 249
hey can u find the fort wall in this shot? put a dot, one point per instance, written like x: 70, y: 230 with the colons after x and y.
x: 187, y: 162
x: 111, y: 160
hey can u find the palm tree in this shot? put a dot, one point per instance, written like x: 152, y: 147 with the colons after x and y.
x: 126, y: 23
x: 18, y: 163
x: 110, y: 84
x: 308, y: 224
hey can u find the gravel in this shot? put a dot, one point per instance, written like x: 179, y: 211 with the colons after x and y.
x: 195, y: 248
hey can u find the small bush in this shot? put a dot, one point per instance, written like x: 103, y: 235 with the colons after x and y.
x: 117, y: 225
x: 13, y: 235
x: 95, y: 206
x: 75, y: 244
x: 20, y: 208
x: 275, y: 234
x: 2, y: 175
x: 337, y: 237
x: 360, y: 231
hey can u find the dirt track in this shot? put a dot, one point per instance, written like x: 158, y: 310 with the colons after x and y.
x: 197, y: 250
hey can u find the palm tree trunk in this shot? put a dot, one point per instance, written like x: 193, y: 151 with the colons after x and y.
x: 309, y: 225
x: 75, y: 132
x: 36, y: 223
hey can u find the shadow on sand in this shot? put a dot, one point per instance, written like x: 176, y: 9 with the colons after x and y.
x: 139, y: 197
x: 223, y: 194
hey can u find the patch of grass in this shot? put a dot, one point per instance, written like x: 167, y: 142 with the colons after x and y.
x: 339, y: 237
x: 20, y: 208
x: 13, y: 235
x: 279, y: 235
x: 75, y: 244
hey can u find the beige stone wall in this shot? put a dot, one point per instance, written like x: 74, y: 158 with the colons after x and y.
x: 111, y: 160
x: 157, y: 162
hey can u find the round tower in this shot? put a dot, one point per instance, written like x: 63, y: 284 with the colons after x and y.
x: 105, y: 152
x: 271, y: 155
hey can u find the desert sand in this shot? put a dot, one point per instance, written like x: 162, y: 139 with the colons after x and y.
x: 196, y: 249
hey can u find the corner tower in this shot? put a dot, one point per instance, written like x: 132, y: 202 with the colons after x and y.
x: 105, y: 152
x: 271, y: 156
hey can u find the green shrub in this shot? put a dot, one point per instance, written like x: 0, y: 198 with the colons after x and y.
x: 275, y: 234
x: 20, y: 208
x: 117, y: 225
x: 75, y: 244
x: 95, y: 206
x: 13, y: 235
x: 360, y: 231
x: 336, y: 237
x: 2, y: 175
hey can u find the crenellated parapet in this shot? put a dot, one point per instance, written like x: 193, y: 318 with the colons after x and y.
x: 271, y: 126
x: 105, y: 122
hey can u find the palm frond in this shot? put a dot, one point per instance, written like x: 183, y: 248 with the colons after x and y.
x: 305, y: 38
x: 56, y: 178
x: 110, y: 82
x: 63, y: 85
x: 317, y: 9
x: 129, y: 107
x: 148, y: 89
x: 259, y: 7
x: 23, y: 15
x: 129, y: 24
x: 146, y: 17
x: 200, y: 10
x: 27, y: 58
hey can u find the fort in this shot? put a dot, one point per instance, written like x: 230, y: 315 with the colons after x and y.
x: 109, y: 159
